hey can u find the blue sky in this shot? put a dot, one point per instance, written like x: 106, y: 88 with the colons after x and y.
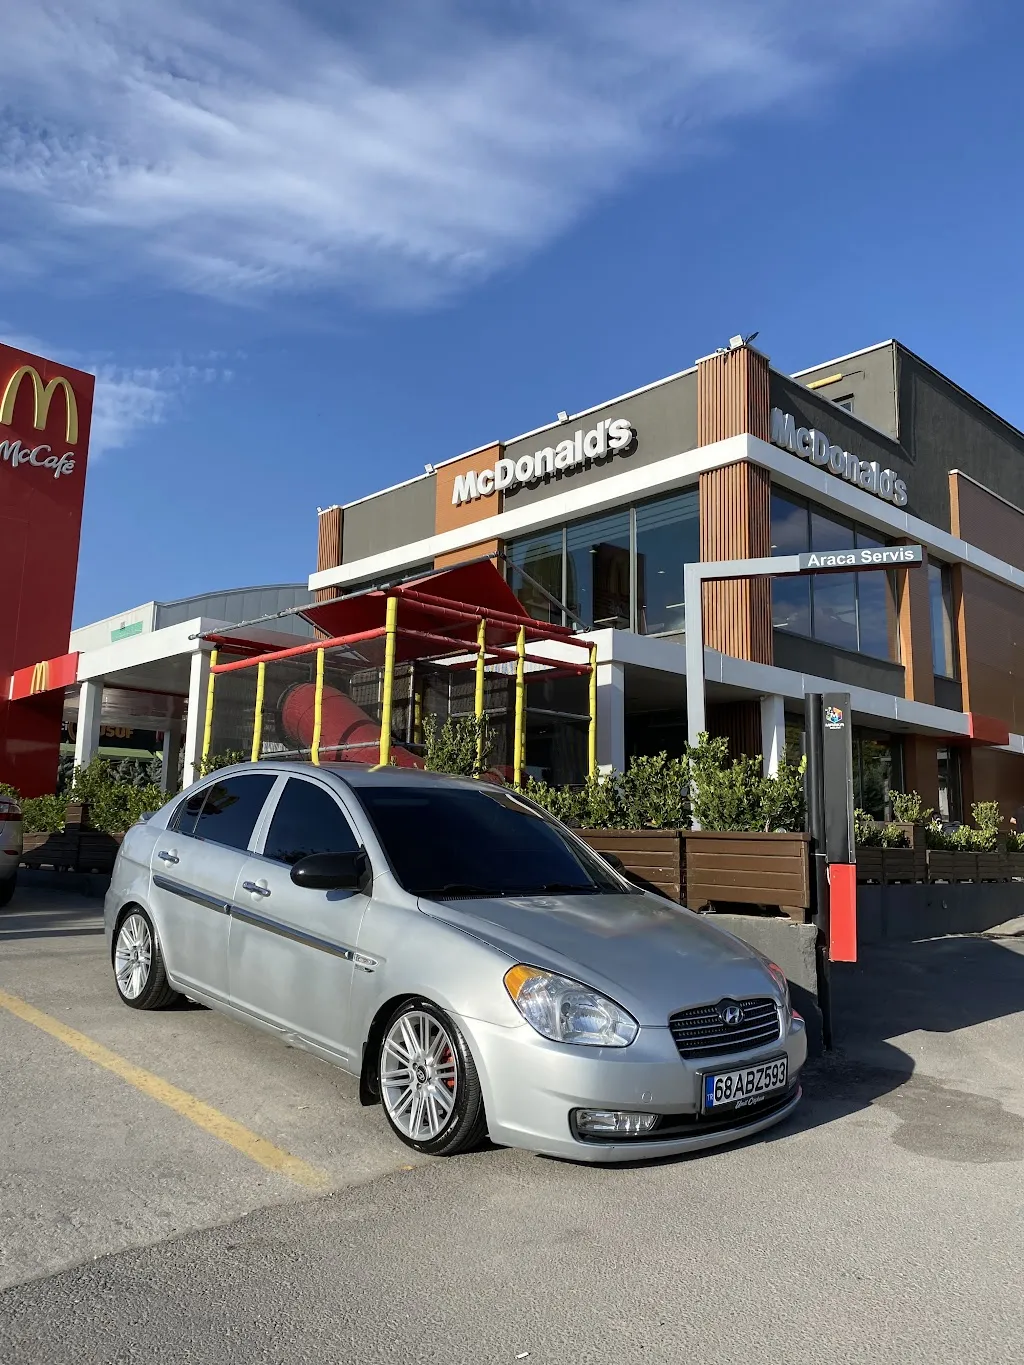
x: 307, y: 251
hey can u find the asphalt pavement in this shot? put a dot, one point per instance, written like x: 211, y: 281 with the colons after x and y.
x: 882, y: 1223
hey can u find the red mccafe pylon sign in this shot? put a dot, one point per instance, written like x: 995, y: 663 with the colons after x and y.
x: 45, y: 417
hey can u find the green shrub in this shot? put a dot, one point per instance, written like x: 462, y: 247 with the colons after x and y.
x: 227, y: 759
x: 455, y: 746
x: 43, y: 814
x: 909, y: 809
x: 738, y: 795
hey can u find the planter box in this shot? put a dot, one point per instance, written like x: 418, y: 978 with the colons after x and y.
x: 991, y: 867
x: 1014, y: 866
x: 653, y: 858
x: 77, y: 848
x: 951, y: 865
x: 51, y: 850
x: 760, y: 869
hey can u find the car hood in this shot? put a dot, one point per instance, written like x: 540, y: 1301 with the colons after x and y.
x: 649, y: 955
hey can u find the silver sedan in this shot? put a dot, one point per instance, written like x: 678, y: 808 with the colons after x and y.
x: 468, y: 958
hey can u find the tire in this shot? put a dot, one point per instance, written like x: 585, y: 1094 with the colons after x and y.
x: 428, y: 1082
x: 7, y: 890
x: 138, y: 963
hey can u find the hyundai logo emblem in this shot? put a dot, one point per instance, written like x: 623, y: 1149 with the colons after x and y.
x: 732, y: 1014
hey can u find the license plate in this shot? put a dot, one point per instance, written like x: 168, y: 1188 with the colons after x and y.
x: 745, y: 1087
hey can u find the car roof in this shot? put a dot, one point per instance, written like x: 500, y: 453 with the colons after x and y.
x: 352, y: 774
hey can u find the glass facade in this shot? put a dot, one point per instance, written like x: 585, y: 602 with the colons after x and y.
x: 877, y: 765
x: 623, y: 569
x: 940, y: 596
x: 950, y: 798
x: 854, y: 611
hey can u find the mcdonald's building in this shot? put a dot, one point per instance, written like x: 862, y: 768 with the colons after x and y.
x: 593, y: 515
x: 45, y: 412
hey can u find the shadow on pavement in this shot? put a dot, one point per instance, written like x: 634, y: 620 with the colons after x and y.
x: 34, y: 914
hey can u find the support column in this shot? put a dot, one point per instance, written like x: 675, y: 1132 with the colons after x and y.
x: 611, y: 716
x: 87, y: 737
x: 195, y: 716
x: 920, y: 752
x: 172, y: 752
x: 773, y: 734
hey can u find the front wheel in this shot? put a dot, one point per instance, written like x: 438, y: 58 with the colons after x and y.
x: 139, y: 965
x: 428, y: 1082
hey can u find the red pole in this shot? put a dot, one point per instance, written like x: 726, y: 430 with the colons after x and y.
x: 309, y: 648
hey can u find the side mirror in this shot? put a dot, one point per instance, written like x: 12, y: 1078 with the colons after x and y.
x: 613, y: 860
x: 334, y: 871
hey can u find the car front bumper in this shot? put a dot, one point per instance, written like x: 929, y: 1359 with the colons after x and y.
x: 532, y: 1086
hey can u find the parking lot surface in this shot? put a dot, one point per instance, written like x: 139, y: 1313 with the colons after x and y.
x: 178, y: 1187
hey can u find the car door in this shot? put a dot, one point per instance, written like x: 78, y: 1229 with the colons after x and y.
x: 290, y: 948
x: 195, y: 868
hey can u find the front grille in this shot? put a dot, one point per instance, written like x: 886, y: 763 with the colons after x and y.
x: 702, y: 1032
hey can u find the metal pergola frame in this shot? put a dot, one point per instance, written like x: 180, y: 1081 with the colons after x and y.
x: 435, y: 646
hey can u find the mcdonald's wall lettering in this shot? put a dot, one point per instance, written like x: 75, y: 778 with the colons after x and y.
x: 45, y: 415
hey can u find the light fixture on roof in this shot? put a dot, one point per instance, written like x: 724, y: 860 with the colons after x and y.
x: 428, y: 469
x: 737, y: 341
x: 563, y: 416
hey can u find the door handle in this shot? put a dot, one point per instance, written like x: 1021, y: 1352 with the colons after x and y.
x: 256, y: 888
x: 166, y: 857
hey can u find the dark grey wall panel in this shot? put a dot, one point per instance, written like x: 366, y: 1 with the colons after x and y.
x: 825, y: 661
x: 869, y: 379
x: 812, y: 410
x: 389, y: 520
x: 665, y: 420
x: 948, y: 694
x: 944, y: 428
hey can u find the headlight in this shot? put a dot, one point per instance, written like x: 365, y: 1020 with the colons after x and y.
x: 566, y: 1011
x: 779, y: 977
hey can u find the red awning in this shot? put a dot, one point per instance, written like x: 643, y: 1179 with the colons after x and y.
x: 473, y: 589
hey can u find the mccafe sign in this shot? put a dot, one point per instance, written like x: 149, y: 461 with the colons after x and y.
x: 610, y: 437
x: 15, y: 453
x: 812, y: 445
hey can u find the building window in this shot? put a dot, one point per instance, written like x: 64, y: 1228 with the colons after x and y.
x: 950, y: 799
x: 846, y: 402
x: 597, y: 571
x: 877, y: 772
x: 667, y: 538
x: 854, y: 611
x: 535, y: 574
x: 940, y: 594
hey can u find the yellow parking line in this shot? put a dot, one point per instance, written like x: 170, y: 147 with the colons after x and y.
x: 195, y: 1110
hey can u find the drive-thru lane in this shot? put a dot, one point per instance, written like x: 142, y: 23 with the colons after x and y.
x: 881, y: 1223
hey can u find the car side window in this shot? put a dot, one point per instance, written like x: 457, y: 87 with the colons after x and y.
x: 187, y: 813
x: 307, y: 820
x: 231, y: 809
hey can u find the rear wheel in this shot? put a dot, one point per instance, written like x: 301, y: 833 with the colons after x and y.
x: 428, y: 1082
x: 139, y: 965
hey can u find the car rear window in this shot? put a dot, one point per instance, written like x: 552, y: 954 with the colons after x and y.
x: 455, y: 841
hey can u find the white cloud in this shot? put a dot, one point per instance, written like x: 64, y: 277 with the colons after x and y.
x: 127, y: 399
x: 238, y: 148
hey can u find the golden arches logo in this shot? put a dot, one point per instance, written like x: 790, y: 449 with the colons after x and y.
x: 43, y: 395
x: 40, y: 677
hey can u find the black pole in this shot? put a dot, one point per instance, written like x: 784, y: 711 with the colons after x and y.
x: 819, y: 859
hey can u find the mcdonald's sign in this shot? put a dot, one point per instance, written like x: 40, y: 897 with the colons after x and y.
x: 48, y: 675
x: 43, y: 397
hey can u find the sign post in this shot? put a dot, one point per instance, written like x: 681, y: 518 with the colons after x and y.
x: 829, y: 740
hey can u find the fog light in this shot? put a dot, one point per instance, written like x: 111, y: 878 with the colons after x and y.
x: 613, y: 1123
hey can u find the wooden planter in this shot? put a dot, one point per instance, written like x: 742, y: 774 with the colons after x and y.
x: 991, y: 867
x: 653, y: 858
x: 759, y: 869
x: 77, y: 848
x: 886, y: 865
x: 953, y: 865
x: 1014, y: 866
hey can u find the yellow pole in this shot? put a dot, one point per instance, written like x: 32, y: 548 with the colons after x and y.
x: 520, y: 729
x: 318, y: 707
x: 592, y: 765
x: 257, y: 719
x: 208, y: 723
x: 390, y: 623
x: 481, y: 664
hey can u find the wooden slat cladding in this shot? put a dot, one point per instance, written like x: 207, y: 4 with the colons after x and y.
x: 915, y: 629
x: 477, y: 551
x: 732, y: 395
x: 328, y: 546
x: 739, y: 722
x: 447, y: 517
x: 735, y: 523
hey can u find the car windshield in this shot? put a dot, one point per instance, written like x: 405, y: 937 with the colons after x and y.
x: 448, y: 842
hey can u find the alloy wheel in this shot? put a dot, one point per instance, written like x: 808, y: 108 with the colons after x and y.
x: 418, y: 1075
x: 133, y: 956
